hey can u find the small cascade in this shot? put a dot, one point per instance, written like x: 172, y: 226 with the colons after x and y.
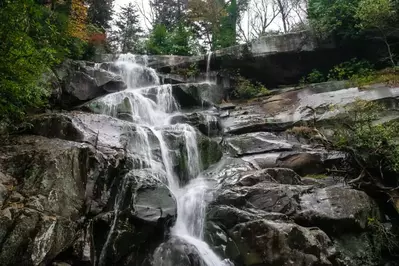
x: 151, y: 106
x: 208, y: 67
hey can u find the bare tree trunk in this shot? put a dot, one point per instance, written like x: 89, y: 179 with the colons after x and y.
x: 283, y: 13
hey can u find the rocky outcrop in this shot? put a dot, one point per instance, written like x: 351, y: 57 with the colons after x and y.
x: 302, y: 107
x: 277, y: 203
x: 197, y: 94
x: 79, y: 188
x: 83, y: 81
x: 59, y: 191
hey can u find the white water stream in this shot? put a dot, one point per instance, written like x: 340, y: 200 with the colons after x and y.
x: 151, y: 107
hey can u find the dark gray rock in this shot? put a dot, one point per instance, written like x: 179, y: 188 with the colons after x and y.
x: 269, y: 197
x: 259, y: 142
x: 303, y: 163
x: 48, y: 186
x: 81, y: 82
x: 144, y: 206
x: 305, y: 106
x: 263, y: 242
x: 176, y: 251
x: 206, y: 122
x: 272, y: 175
x: 197, y: 94
x: 229, y: 216
x: 337, y: 210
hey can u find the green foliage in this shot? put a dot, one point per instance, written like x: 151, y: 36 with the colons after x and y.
x: 389, y: 76
x: 375, y: 13
x: 245, y: 89
x: 380, y: 17
x: 187, y: 72
x: 180, y: 41
x: 336, y: 17
x: 126, y: 36
x: 100, y: 13
x: 33, y: 39
x: 375, y: 146
x: 350, y: 69
x: 313, y: 77
x: 29, y: 45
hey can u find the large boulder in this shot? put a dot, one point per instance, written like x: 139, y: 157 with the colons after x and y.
x: 263, y: 242
x: 258, y: 142
x: 82, y: 81
x: 328, y: 209
x: 302, y: 162
x: 176, y: 251
x: 45, y: 198
x: 135, y: 225
x: 306, y: 106
x: 197, y: 94
x: 207, y: 122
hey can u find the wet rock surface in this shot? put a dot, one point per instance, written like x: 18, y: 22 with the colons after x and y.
x: 83, y: 81
x: 78, y: 188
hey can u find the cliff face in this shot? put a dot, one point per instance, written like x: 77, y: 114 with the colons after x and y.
x: 77, y: 187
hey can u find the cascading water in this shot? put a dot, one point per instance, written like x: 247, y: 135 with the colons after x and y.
x: 208, y: 67
x: 151, y: 106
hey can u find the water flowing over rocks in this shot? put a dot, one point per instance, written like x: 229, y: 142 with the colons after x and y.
x: 144, y: 173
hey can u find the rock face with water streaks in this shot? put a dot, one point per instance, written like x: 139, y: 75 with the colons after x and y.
x: 83, y: 81
x: 115, y: 183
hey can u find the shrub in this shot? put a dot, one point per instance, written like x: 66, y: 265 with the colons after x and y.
x: 389, y: 76
x: 372, y: 147
x: 313, y: 77
x: 187, y: 72
x: 350, y: 69
x: 245, y: 89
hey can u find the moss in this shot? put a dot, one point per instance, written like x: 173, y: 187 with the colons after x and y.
x: 210, y: 151
x: 388, y: 76
x: 319, y: 176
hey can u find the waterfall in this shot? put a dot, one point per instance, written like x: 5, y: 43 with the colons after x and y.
x: 208, y: 67
x: 151, y: 106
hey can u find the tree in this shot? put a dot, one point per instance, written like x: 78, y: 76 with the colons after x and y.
x: 100, y: 13
x: 260, y: 15
x: 128, y: 31
x: 180, y: 41
x: 35, y: 35
x: 33, y: 38
x: 169, y: 12
x: 78, y: 20
x: 334, y: 18
x: 215, y: 21
x: 379, y: 17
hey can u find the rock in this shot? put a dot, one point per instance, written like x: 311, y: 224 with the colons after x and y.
x: 206, y: 122
x: 302, y: 107
x: 361, y: 249
x: 181, y: 139
x: 101, y: 131
x: 144, y: 206
x: 199, y: 94
x: 303, y: 163
x: 43, y: 212
x: 255, y: 143
x: 265, y: 196
x: 328, y: 209
x: 227, y: 106
x: 273, y: 175
x: 263, y: 242
x: 229, y: 216
x: 177, y: 251
x: 228, y: 170
x: 82, y: 82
